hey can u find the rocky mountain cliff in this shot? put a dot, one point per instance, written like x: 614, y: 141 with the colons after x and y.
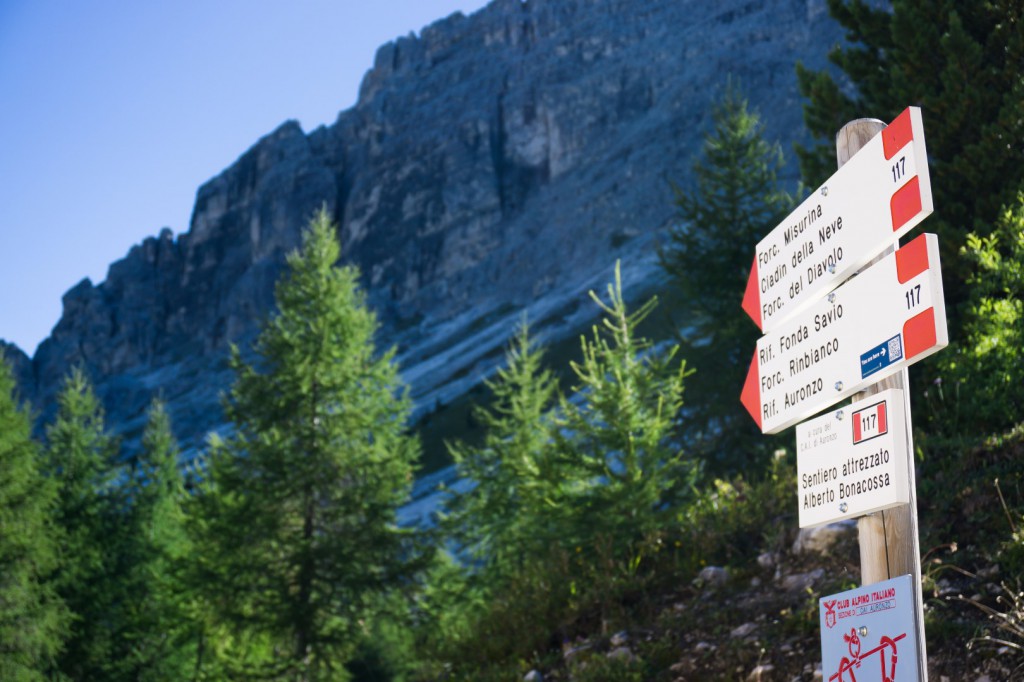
x: 496, y: 162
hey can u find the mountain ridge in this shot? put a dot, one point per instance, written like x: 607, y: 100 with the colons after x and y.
x: 497, y: 162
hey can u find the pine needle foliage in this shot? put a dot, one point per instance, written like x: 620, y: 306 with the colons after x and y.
x: 616, y: 435
x: 302, y: 497
x: 566, y: 501
x: 32, y: 617
x: 961, y: 63
x: 82, y: 461
x: 159, y: 633
x: 737, y: 200
x: 514, y: 475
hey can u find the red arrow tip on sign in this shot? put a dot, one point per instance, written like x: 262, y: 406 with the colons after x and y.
x: 751, y: 395
x: 752, y: 296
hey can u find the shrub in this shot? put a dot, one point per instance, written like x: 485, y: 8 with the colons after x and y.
x: 979, y: 387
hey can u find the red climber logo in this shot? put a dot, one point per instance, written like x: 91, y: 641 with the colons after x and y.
x: 886, y: 646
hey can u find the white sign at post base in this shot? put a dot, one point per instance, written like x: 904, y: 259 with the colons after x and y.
x: 878, y: 196
x: 852, y: 461
x: 889, y: 316
x: 869, y: 634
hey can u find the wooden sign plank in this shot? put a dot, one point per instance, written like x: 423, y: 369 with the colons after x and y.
x: 890, y: 316
x: 879, y: 195
x: 852, y: 461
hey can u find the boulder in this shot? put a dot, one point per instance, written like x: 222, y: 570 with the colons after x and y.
x: 821, y: 540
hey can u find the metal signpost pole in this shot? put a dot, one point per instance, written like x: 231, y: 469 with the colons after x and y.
x: 889, y: 540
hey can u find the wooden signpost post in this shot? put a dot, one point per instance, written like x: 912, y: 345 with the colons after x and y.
x: 827, y: 339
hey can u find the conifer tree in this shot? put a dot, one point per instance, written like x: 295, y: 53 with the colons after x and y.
x: 514, y: 475
x: 81, y: 460
x: 961, y: 63
x: 32, y: 617
x: 617, y: 434
x: 736, y: 202
x: 202, y: 573
x: 158, y: 633
x: 303, y: 495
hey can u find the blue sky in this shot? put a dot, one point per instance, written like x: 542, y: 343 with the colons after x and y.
x: 115, y: 112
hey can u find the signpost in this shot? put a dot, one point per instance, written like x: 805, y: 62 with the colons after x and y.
x: 852, y: 461
x: 817, y: 350
x: 864, y: 631
x: 890, y: 316
x: 880, y: 195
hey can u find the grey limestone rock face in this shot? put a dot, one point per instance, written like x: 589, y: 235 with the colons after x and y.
x: 20, y: 364
x: 497, y: 161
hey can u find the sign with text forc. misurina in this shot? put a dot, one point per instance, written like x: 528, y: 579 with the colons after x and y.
x: 869, y: 634
x: 853, y: 461
x: 878, y: 196
x: 891, y: 315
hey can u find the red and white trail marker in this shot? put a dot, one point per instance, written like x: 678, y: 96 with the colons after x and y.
x: 891, y: 315
x: 871, y: 421
x: 878, y: 196
x: 852, y: 461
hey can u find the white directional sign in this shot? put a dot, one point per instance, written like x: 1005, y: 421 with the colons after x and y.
x: 869, y: 634
x: 878, y: 196
x: 889, y: 316
x: 852, y: 461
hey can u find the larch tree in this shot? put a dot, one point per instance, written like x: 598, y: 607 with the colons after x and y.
x: 499, y: 519
x: 90, y: 512
x: 160, y: 635
x: 301, y: 499
x: 617, y: 435
x: 32, y: 617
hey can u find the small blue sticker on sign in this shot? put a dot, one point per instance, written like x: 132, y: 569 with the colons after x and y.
x: 881, y: 356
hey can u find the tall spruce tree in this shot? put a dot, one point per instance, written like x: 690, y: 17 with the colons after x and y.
x: 736, y: 201
x: 301, y: 512
x: 501, y: 520
x: 90, y: 511
x: 158, y: 636
x: 32, y: 616
x: 961, y: 63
